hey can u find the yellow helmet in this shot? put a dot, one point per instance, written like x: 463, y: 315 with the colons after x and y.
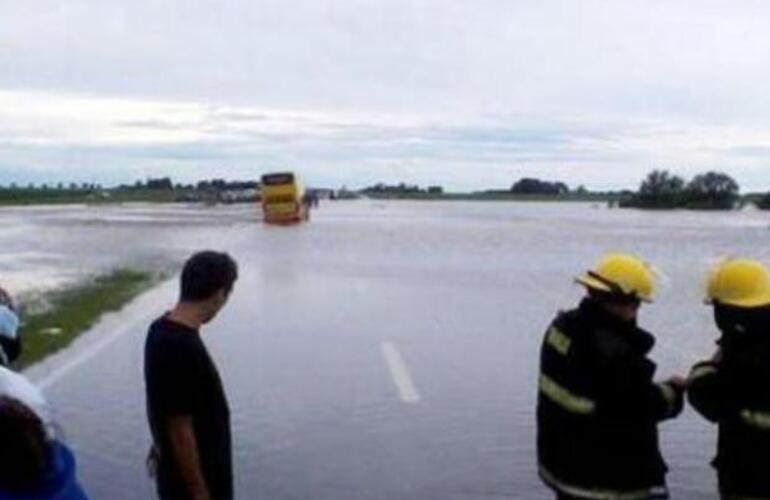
x: 621, y: 274
x: 740, y: 283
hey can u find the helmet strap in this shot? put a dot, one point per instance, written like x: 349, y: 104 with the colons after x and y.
x: 615, y: 289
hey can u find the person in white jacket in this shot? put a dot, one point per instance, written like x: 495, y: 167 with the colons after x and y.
x: 10, y: 343
x: 13, y: 384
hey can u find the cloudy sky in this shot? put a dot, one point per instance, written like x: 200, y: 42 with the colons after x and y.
x: 468, y: 94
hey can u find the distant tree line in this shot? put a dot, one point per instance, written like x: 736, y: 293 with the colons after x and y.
x: 166, y: 184
x: 16, y: 194
x: 663, y: 190
x: 530, y: 186
x: 223, y: 185
x: 151, y: 184
x: 60, y: 186
x: 763, y: 202
x: 524, y: 187
x: 402, y: 189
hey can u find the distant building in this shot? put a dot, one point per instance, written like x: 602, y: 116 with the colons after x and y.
x: 322, y: 193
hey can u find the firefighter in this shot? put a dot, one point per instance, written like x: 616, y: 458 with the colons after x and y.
x: 733, y: 388
x: 598, y: 408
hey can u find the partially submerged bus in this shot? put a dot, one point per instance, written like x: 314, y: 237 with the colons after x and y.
x: 283, y: 199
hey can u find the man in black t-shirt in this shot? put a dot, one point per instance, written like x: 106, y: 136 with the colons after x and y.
x: 187, y: 408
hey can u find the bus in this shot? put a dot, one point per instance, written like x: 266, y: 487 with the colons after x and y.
x: 283, y: 199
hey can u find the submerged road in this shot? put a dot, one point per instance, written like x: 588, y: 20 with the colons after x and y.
x: 387, y: 351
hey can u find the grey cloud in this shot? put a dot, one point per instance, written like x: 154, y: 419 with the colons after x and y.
x: 760, y: 152
x: 136, y: 152
x: 242, y: 116
x: 151, y: 124
x: 487, y: 55
x: 539, y: 84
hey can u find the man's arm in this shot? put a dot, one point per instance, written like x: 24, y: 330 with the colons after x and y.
x: 707, y: 393
x: 625, y: 391
x: 635, y: 398
x: 184, y: 449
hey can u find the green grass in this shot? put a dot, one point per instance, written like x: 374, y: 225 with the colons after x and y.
x: 53, y: 321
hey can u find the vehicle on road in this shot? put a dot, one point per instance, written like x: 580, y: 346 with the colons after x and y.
x: 283, y: 200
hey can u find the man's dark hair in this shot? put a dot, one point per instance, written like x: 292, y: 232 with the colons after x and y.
x: 26, y: 450
x: 206, y: 273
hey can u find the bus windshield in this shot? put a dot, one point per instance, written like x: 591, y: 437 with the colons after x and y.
x: 277, y: 179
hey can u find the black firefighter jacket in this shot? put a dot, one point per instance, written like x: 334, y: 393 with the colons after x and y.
x: 598, y: 408
x: 735, y: 393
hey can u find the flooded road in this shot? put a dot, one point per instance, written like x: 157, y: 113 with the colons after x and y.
x: 386, y: 350
x: 49, y: 246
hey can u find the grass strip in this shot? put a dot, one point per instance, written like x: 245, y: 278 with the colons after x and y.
x: 56, y: 319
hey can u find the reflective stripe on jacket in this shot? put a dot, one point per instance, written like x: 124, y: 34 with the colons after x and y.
x: 598, y: 408
x: 735, y: 394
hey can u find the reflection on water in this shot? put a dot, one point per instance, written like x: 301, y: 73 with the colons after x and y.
x: 464, y: 290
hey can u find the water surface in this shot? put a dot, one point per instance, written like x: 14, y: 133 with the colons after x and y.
x: 462, y: 290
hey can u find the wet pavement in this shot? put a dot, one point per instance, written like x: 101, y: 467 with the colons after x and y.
x: 386, y: 350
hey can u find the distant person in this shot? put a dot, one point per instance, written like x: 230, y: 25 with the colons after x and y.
x: 598, y: 408
x: 33, y: 466
x: 309, y: 202
x: 732, y: 389
x: 187, y: 408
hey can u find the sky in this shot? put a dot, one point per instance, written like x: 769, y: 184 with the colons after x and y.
x: 468, y: 95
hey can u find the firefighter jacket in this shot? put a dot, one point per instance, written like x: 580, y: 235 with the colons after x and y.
x: 598, y: 408
x: 735, y: 393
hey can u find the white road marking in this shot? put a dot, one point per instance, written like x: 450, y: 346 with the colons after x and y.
x: 94, y: 349
x: 400, y: 373
x: 141, y: 318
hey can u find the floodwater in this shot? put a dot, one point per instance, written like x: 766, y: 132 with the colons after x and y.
x: 48, y: 247
x: 386, y: 350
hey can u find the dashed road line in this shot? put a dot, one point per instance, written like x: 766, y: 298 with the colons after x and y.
x: 400, y: 373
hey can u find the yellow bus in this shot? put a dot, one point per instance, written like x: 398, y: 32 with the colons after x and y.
x: 283, y: 200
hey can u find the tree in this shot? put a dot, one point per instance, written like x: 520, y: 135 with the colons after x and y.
x: 531, y: 186
x: 763, y: 203
x: 661, y: 183
x: 709, y: 191
x: 163, y: 183
x: 712, y: 190
x: 660, y: 189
